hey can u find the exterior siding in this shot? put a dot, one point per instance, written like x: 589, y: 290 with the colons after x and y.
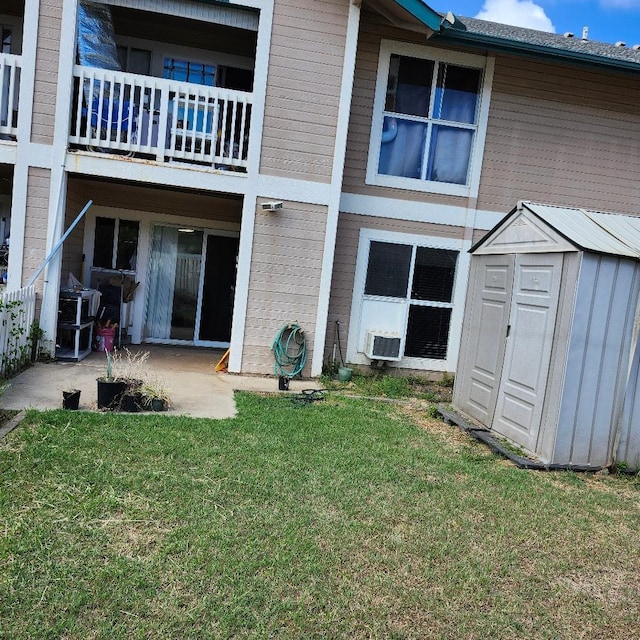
x: 37, y: 215
x: 285, y: 280
x: 72, y: 249
x: 46, y: 72
x: 303, y: 93
x: 561, y: 135
x: 344, y: 265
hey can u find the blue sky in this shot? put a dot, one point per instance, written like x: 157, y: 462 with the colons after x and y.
x: 608, y: 20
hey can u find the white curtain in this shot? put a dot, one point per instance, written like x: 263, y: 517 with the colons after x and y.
x: 450, y: 154
x: 164, y: 255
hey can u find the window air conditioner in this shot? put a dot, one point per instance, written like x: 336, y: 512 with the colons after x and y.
x: 383, y: 346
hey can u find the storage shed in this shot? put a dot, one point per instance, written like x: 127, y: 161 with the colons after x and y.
x: 546, y: 357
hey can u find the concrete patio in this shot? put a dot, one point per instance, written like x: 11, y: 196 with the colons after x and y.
x: 195, y: 388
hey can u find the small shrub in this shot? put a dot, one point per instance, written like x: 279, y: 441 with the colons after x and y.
x: 447, y: 380
x: 432, y: 411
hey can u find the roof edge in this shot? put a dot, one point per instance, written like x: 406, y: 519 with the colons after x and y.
x: 455, y: 35
x: 422, y: 12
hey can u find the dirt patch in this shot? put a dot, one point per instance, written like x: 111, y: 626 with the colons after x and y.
x: 6, y: 415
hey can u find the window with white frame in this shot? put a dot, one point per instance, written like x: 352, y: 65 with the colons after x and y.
x: 428, y: 116
x: 422, y: 280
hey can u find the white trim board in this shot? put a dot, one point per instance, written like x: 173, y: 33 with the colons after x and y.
x: 333, y: 210
x: 396, y: 209
x: 245, y: 249
x: 167, y: 174
x: 294, y: 190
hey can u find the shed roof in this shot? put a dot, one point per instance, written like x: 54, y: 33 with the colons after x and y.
x: 595, y: 231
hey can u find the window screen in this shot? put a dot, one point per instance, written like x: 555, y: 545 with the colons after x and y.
x: 434, y: 274
x: 427, y: 332
x: 388, y: 269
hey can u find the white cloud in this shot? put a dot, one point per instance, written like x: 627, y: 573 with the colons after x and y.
x: 519, y: 13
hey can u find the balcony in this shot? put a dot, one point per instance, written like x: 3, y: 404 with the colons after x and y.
x: 10, y: 66
x: 159, y: 119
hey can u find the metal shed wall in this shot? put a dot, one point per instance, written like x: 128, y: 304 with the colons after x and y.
x: 597, y: 362
x: 628, y: 449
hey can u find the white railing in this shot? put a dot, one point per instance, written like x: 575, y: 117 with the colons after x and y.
x: 17, y: 311
x: 10, y: 66
x: 160, y: 119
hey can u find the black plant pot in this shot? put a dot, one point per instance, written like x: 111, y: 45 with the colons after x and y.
x: 71, y: 399
x: 131, y: 402
x: 110, y: 394
x: 155, y: 404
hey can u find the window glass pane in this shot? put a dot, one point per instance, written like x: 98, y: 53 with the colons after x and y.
x: 103, y: 243
x: 433, y: 274
x: 409, y: 85
x: 388, y: 269
x: 185, y: 71
x: 449, y: 154
x: 457, y: 93
x: 402, y: 148
x: 427, y: 332
x: 127, y: 245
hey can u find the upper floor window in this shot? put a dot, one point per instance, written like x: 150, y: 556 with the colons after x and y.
x: 428, y: 119
x: 186, y: 71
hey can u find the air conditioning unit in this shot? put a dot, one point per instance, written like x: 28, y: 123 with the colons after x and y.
x: 382, y: 345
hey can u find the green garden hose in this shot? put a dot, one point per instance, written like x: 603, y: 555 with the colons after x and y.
x: 289, y: 350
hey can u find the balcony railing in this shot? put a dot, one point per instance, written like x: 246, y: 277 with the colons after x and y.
x: 160, y: 119
x: 9, y: 90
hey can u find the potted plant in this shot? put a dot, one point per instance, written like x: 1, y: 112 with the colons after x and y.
x: 110, y: 388
x: 154, y: 395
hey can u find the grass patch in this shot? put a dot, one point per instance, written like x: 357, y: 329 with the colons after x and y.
x: 390, y: 386
x: 345, y: 518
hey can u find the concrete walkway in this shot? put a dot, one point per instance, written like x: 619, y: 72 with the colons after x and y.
x: 195, y: 388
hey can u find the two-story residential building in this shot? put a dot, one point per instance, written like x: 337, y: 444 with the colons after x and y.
x: 392, y: 135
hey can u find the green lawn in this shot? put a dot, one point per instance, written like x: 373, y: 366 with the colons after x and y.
x: 347, y: 518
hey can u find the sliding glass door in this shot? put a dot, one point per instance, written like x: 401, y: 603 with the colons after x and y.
x: 191, y: 286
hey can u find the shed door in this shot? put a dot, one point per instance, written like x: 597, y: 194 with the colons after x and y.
x: 483, y: 353
x: 528, y: 351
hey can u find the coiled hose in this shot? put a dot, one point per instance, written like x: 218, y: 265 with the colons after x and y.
x: 289, y: 350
